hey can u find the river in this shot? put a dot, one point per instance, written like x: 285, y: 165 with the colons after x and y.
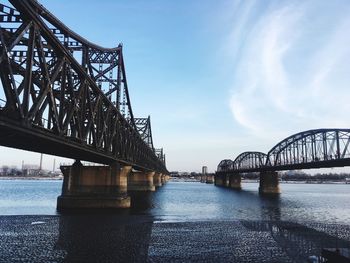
x: 188, y: 201
x: 178, y: 220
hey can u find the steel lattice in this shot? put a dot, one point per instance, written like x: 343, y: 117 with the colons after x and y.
x: 61, y: 94
x: 319, y: 148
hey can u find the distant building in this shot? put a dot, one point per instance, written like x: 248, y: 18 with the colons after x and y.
x: 30, y: 170
x: 204, y: 170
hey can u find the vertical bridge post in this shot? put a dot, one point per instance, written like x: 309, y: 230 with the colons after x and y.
x: 269, y: 183
x: 220, y: 179
x: 141, y: 181
x: 235, y: 181
x: 157, y: 179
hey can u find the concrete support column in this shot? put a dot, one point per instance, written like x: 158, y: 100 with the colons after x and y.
x: 141, y: 181
x: 163, y: 179
x: 219, y: 179
x: 121, y: 177
x: 209, y: 179
x: 235, y: 181
x: 269, y: 183
x: 157, y: 179
x: 227, y: 180
x: 93, y: 187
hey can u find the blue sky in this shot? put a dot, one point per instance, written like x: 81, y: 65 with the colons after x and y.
x: 222, y: 77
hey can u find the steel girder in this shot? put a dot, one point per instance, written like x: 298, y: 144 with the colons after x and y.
x: 249, y: 161
x: 143, y: 126
x: 312, y: 149
x: 160, y: 154
x: 319, y: 148
x: 225, y: 165
x: 63, y: 95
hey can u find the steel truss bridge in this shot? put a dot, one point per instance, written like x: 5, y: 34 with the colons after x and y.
x: 63, y: 95
x: 320, y: 148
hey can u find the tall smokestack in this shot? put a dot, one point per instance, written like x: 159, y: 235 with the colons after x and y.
x: 41, y: 162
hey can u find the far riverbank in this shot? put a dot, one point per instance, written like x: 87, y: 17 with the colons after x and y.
x: 30, y: 178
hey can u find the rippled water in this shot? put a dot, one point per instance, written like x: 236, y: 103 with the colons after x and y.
x: 192, y: 201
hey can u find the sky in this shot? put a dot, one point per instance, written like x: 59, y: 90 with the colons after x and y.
x: 221, y: 77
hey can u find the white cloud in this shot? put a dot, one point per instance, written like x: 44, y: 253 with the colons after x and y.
x: 287, y: 78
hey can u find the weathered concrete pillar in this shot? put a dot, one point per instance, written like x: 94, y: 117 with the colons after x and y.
x: 93, y: 187
x: 227, y: 180
x: 219, y: 179
x: 235, y: 181
x: 269, y: 183
x: 157, y: 179
x: 167, y: 178
x: 209, y: 179
x: 141, y: 181
x: 121, y: 177
x: 163, y: 179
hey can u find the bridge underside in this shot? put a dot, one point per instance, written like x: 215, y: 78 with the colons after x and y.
x: 26, y: 138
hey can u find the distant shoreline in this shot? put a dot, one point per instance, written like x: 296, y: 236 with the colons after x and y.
x: 30, y: 178
x: 257, y: 181
x: 175, y: 180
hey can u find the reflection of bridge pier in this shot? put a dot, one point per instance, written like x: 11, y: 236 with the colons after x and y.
x: 104, y: 238
x: 298, y: 242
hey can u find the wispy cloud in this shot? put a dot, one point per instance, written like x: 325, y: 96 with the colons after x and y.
x: 291, y: 72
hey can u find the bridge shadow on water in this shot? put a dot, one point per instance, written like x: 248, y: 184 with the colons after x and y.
x: 109, y: 235
x: 104, y: 238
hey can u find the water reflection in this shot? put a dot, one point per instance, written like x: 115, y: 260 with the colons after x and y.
x: 271, y: 209
x: 112, y: 236
x: 296, y: 241
x: 141, y: 201
x: 208, y: 223
x: 104, y: 238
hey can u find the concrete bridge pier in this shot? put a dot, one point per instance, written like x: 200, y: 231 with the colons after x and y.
x: 163, y: 179
x: 141, y: 181
x: 235, y: 181
x: 209, y: 179
x: 157, y: 179
x: 269, y: 183
x: 227, y: 180
x: 218, y: 179
x: 92, y: 187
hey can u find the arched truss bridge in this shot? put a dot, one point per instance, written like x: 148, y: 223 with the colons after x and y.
x: 319, y: 148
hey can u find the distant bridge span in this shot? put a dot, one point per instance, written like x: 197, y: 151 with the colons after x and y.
x: 319, y: 148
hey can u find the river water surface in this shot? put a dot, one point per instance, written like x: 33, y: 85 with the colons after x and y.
x: 180, y: 222
x: 188, y: 201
